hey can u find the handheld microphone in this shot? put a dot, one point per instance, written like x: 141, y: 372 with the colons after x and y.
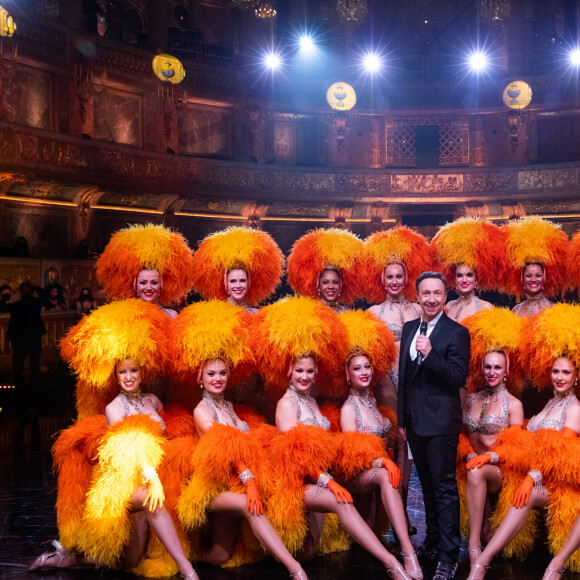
x: 423, y: 332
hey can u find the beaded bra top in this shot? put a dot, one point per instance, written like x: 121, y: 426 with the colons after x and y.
x: 131, y: 403
x: 238, y: 423
x: 554, y: 424
x: 396, y: 329
x: 490, y: 424
x: 325, y: 424
x: 378, y: 430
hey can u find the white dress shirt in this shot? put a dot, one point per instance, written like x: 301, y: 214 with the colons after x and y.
x: 430, y: 327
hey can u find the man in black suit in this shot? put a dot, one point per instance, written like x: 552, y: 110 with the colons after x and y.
x: 432, y: 370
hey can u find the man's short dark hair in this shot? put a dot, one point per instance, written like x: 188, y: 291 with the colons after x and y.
x: 426, y: 275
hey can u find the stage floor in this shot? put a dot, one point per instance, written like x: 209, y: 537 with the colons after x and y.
x: 28, y: 519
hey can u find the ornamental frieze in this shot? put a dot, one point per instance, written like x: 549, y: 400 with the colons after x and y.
x: 546, y: 179
x: 298, y: 209
x: 28, y: 147
x: 6, y: 145
x: 549, y: 206
x: 304, y: 182
x: 228, y: 177
x: 363, y: 182
x: 64, y: 154
x: 427, y: 183
x: 489, y: 181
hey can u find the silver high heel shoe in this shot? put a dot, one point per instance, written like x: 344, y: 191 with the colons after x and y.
x: 416, y: 573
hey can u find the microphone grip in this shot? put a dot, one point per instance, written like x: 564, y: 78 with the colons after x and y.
x: 422, y: 332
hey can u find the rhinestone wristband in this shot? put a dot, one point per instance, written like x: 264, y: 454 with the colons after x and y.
x: 377, y: 464
x: 537, y: 477
x: 245, y: 475
x: 470, y: 457
x: 323, y: 481
x: 148, y: 473
x: 494, y: 457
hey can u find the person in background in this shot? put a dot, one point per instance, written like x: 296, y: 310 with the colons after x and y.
x: 54, y: 298
x: 85, y: 301
x: 5, y: 297
x: 24, y: 337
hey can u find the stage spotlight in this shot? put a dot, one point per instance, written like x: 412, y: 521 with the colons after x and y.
x: 575, y: 57
x: 478, y: 61
x: 272, y: 61
x: 372, y: 62
x: 307, y: 44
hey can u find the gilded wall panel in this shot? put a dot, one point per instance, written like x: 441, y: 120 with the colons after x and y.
x: 47, y: 233
x: 117, y: 117
x: 489, y: 181
x: 205, y: 131
x: 363, y: 183
x: 426, y: 183
x: 547, y: 179
x: 31, y: 98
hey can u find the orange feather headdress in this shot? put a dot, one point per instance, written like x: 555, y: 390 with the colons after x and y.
x: 533, y: 239
x: 122, y: 329
x: 395, y: 246
x: 476, y: 243
x: 253, y: 251
x: 550, y: 334
x: 296, y: 327
x: 206, y: 331
x: 148, y: 247
x: 324, y: 249
x: 368, y: 335
x: 573, y: 260
x: 494, y: 329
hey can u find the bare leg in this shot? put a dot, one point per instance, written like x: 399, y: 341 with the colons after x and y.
x: 480, y: 482
x: 406, y: 466
x: 141, y: 518
x: 507, y: 531
x: 161, y: 522
x: 324, y: 501
x: 394, y: 507
x: 559, y: 561
x: 313, y: 536
x: 224, y: 534
x: 135, y: 549
x: 235, y: 503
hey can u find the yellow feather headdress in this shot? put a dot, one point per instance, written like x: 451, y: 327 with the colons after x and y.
x: 322, y: 249
x: 206, y: 331
x: 368, y: 335
x: 148, y: 247
x: 494, y: 329
x: 122, y: 329
x: 238, y: 247
x: 550, y: 334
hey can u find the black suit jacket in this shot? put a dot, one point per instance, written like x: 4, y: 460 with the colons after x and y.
x: 431, y: 396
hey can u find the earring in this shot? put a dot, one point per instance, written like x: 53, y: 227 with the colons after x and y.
x: 201, y: 386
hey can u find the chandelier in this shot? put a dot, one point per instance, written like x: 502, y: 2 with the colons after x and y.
x: 265, y: 11
x: 351, y: 11
x: 495, y: 11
